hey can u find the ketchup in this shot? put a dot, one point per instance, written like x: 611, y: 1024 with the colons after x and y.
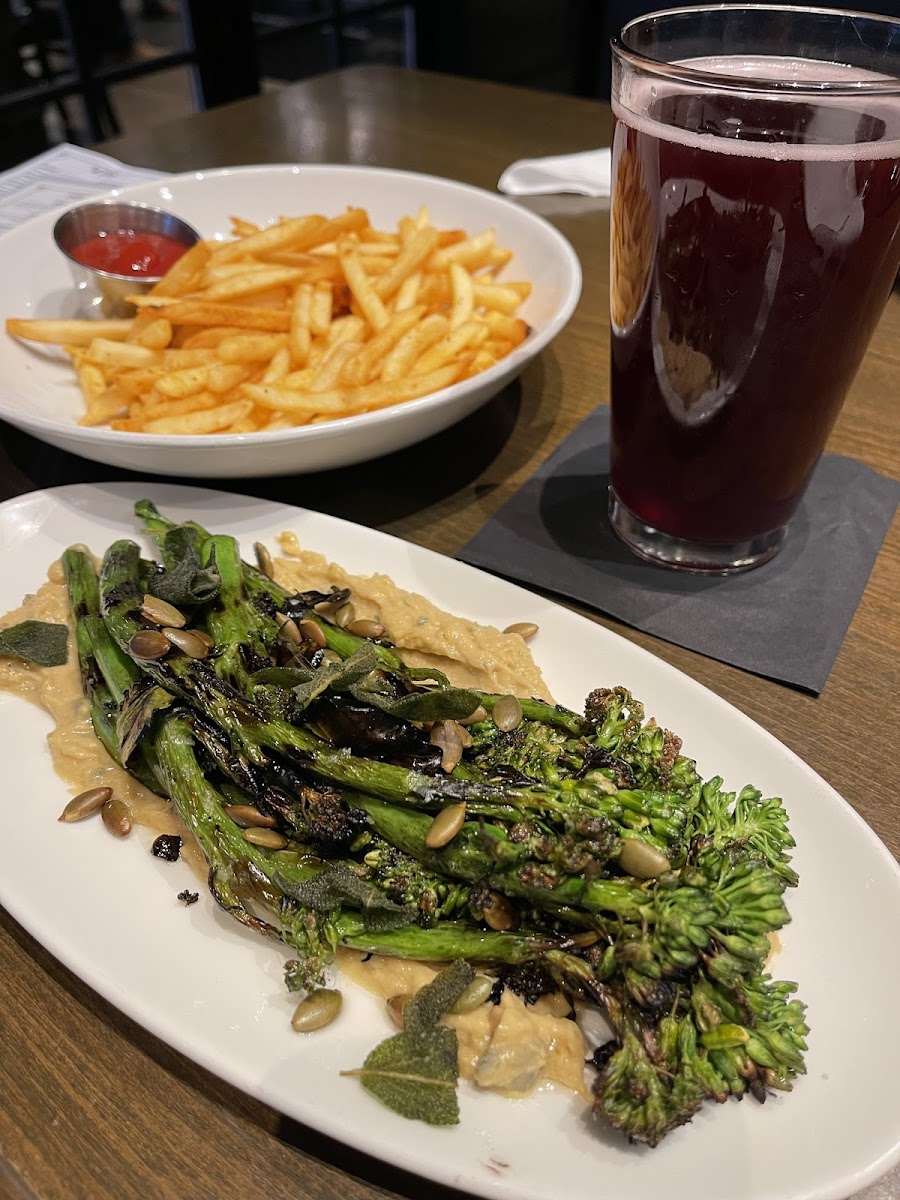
x: 125, y: 252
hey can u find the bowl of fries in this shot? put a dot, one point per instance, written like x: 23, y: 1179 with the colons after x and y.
x: 347, y: 312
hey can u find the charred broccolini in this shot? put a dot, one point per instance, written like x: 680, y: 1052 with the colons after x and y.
x: 591, y: 854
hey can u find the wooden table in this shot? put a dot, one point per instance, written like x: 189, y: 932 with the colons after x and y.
x: 91, y: 1106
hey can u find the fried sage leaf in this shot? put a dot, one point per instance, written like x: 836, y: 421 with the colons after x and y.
x: 415, y: 1073
x: 337, y: 887
x: 440, y: 704
x: 185, y: 581
x: 36, y: 641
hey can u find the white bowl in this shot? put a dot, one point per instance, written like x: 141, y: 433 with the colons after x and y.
x: 38, y: 391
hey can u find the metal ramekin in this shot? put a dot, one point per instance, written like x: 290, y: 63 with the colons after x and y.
x: 102, y: 293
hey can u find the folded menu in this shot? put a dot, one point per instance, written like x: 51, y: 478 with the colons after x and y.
x: 785, y: 619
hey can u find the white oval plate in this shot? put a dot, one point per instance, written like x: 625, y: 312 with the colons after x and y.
x: 214, y: 991
x: 39, y: 393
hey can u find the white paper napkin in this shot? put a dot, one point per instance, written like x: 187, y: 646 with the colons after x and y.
x: 587, y: 173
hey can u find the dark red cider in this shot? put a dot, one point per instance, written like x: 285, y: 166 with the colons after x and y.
x: 770, y: 247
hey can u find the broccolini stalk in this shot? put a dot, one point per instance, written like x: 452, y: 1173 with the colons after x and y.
x: 241, y: 633
x: 107, y: 673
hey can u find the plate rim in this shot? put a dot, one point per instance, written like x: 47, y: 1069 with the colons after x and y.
x: 838, y: 1189
x: 514, y: 362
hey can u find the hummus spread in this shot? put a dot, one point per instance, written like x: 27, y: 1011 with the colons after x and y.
x: 469, y: 654
x: 509, y: 1047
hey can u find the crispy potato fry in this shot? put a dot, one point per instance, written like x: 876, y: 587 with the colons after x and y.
x: 210, y: 420
x: 250, y: 283
x: 363, y: 292
x: 224, y: 377
x: 205, y: 312
x: 278, y: 367
x: 322, y: 309
x: 471, y: 253
x: 180, y: 277
x: 101, y: 409
x: 414, y: 343
x: 419, y: 248
x: 250, y: 347
x: 512, y: 329
x: 121, y: 354
x: 242, y: 228
x: 279, y: 421
x: 300, y: 337
x: 217, y: 272
x: 156, y: 335
x: 408, y: 292
x: 186, y: 382
x: 68, y: 333
x: 470, y: 334
x: 332, y: 365
x: 505, y: 297
x: 202, y: 339
x: 463, y: 294
x: 174, y: 360
x: 302, y: 321
x: 286, y: 235
x: 161, y: 407
x: 345, y: 329
x: 368, y: 361
x: 347, y: 401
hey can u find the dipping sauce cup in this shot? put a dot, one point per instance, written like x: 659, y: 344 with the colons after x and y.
x: 755, y: 240
x: 117, y: 249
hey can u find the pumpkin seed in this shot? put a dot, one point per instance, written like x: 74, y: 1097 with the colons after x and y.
x: 264, y: 560
x: 445, y: 826
x: 85, y: 803
x: 116, y: 817
x: 445, y: 734
x: 640, y: 859
x: 474, y: 996
x: 345, y: 614
x: 187, y: 642
x: 507, y: 713
x: 149, y: 644
x: 160, y: 612
x: 480, y: 714
x: 268, y: 839
x: 499, y: 914
x: 247, y: 816
x: 525, y: 629
x: 287, y: 629
x: 312, y: 631
x: 316, y: 1010
x: 365, y: 629
x: 395, y: 1007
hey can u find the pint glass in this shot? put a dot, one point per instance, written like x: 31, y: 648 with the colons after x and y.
x: 755, y: 216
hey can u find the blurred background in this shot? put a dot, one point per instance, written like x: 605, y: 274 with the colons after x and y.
x: 85, y: 70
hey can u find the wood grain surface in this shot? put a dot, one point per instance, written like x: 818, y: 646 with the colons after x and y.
x: 91, y: 1106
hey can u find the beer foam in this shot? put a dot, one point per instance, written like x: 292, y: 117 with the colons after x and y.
x: 639, y: 93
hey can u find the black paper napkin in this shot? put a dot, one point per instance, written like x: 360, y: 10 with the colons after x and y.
x: 785, y: 619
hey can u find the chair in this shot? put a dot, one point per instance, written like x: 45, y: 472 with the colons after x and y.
x: 221, y: 47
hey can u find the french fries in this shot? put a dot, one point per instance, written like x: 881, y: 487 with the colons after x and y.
x: 309, y: 319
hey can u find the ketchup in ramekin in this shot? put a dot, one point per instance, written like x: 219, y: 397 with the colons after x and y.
x: 129, y: 252
x: 118, y: 249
